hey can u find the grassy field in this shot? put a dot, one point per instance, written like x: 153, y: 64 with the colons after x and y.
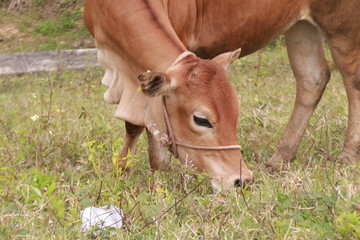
x: 59, y: 140
x: 42, y: 25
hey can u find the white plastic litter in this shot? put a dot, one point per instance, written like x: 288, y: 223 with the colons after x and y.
x: 103, y: 217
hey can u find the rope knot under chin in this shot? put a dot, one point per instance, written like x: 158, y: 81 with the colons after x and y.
x: 165, y: 140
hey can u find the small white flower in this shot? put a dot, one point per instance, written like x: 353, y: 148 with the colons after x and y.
x: 35, y: 117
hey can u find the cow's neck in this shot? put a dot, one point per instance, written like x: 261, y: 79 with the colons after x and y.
x: 155, y: 36
x: 143, y: 36
x: 130, y: 43
x: 211, y: 27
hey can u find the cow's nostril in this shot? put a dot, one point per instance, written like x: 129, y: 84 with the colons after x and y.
x: 237, y: 183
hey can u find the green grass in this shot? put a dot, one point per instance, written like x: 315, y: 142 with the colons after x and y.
x: 55, y: 166
x: 43, y: 26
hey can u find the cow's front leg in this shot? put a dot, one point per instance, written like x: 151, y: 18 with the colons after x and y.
x: 132, y: 135
x: 306, y: 54
x: 158, y: 156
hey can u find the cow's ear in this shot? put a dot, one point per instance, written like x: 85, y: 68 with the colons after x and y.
x: 226, y: 59
x: 154, y: 83
x: 183, y: 56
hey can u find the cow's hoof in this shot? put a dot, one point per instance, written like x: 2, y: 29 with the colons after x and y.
x: 122, y: 165
x: 275, y: 162
x: 346, y: 158
x: 162, y: 165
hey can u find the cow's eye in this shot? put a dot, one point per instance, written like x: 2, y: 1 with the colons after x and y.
x: 202, y: 121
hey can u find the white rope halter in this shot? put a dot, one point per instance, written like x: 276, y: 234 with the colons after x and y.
x: 168, y: 139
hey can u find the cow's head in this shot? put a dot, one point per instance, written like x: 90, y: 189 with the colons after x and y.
x: 203, y: 110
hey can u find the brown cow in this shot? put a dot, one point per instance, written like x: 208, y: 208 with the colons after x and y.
x: 189, y: 100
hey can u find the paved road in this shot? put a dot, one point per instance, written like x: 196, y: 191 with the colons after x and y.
x: 19, y: 63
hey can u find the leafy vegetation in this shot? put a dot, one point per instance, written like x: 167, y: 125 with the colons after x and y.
x: 59, y: 142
